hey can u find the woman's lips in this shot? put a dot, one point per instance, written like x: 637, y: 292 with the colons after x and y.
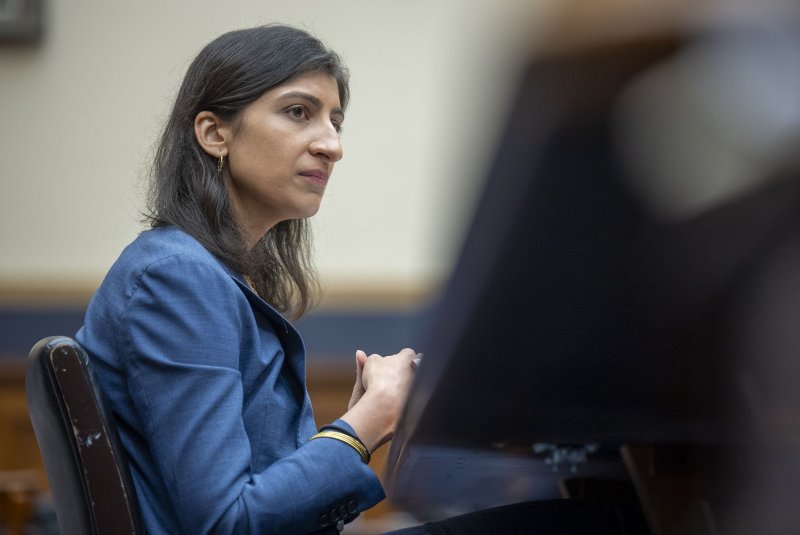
x: 315, y: 174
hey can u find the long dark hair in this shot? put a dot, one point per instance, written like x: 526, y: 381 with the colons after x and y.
x: 187, y: 191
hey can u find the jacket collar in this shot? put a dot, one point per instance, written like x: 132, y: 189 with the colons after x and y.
x: 258, y: 302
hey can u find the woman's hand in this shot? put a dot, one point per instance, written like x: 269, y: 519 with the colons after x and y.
x: 379, y: 395
x: 358, y: 388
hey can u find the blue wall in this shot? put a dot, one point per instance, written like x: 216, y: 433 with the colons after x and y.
x: 328, y: 334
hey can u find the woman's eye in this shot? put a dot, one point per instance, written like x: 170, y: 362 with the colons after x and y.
x: 298, y: 112
x: 337, y: 126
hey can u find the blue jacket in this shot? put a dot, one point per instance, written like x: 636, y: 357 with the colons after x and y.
x: 207, y: 382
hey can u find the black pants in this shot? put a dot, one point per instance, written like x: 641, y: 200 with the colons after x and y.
x: 549, y: 517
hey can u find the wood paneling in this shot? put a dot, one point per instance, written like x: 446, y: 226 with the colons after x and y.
x: 22, y: 476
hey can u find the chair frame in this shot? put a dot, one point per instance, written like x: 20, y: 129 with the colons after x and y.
x: 87, y: 468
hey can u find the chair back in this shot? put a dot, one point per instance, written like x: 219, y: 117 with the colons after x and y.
x: 86, y: 466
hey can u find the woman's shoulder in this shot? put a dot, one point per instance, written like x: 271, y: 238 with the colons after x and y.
x: 162, y: 250
x: 154, y: 246
x: 166, y: 241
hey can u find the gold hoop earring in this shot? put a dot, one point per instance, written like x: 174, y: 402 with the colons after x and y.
x: 220, y: 163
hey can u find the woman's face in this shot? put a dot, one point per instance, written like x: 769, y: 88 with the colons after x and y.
x: 281, y: 153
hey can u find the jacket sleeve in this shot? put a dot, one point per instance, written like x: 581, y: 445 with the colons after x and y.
x: 183, y: 330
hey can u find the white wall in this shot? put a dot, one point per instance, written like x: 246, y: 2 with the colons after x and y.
x: 81, y: 110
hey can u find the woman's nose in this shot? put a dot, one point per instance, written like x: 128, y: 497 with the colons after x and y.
x: 327, y: 144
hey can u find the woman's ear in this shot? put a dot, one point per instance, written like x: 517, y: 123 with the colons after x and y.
x: 211, y: 133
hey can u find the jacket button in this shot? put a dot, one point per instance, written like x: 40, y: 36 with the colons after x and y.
x: 334, y: 515
x: 352, y: 506
x: 324, y: 520
x: 343, y: 511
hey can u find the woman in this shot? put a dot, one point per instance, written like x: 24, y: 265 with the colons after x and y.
x: 187, y: 331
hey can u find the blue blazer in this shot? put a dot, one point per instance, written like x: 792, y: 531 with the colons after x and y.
x: 208, y: 384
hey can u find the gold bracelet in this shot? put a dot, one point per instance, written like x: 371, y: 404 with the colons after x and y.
x: 347, y: 439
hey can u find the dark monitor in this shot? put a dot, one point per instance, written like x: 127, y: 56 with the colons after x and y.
x: 579, y: 318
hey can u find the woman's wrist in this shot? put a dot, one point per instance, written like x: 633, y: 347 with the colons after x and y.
x: 373, y: 425
x: 340, y: 426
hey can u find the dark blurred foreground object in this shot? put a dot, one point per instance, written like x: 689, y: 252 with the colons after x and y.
x: 87, y: 468
x: 546, y: 517
x: 623, y: 319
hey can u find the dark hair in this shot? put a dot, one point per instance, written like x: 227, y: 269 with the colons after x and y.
x: 186, y: 189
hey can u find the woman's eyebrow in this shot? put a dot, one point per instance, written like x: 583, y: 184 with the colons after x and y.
x: 311, y: 99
